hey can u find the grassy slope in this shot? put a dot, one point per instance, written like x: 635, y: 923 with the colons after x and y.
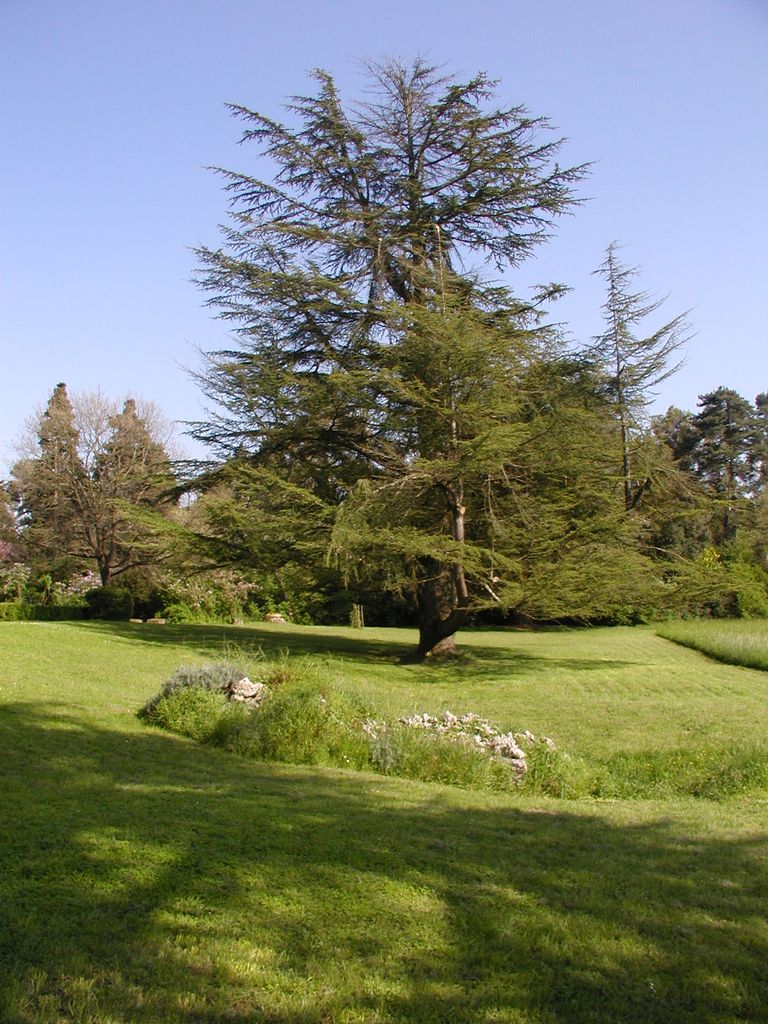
x: 143, y: 878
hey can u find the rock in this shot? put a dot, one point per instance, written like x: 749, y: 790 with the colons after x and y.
x: 246, y: 691
x: 274, y: 617
x: 155, y: 622
x: 508, y: 747
x: 137, y: 621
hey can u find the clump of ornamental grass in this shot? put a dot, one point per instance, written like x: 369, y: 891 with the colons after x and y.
x: 400, y: 750
x: 193, y: 702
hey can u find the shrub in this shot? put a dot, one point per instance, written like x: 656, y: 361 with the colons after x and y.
x: 305, y: 723
x: 20, y: 611
x: 178, y: 611
x: 193, y: 703
x: 58, y: 612
x: 215, y: 677
x: 15, y: 611
x: 310, y: 722
x: 192, y: 712
x: 109, y: 603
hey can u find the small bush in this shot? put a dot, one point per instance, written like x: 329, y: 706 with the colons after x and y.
x: 193, y: 703
x: 215, y: 677
x: 15, y: 611
x: 553, y: 772
x: 109, y: 603
x: 305, y: 723
x: 192, y: 712
x: 178, y: 611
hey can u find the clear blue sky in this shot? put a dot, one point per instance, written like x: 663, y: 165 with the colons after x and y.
x: 110, y: 113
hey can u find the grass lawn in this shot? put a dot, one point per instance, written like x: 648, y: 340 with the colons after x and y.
x: 144, y: 878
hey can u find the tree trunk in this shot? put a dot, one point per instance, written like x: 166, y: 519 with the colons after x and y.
x: 105, y: 571
x: 439, y: 615
x: 442, y: 596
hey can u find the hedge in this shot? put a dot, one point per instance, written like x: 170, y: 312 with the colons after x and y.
x: 18, y: 611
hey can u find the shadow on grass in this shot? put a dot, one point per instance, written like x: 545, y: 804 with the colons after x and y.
x: 476, y: 660
x: 143, y: 878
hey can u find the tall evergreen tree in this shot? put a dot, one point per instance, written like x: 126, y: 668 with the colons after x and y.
x: 131, y: 473
x: 759, y: 454
x: 721, y: 456
x: 80, y: 495
x: 46, y: 487
x: 366, y: 346
x: 633, y: 365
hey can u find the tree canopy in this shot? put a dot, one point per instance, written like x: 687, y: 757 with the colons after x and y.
x: 375, y: 363
x: 77, y: 494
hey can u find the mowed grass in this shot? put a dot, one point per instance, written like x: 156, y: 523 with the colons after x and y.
x: 741, y: 642
x: 146, y: 878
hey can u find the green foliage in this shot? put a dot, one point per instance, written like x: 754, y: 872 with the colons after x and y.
x: 214, y: 677
x: 92, y: 494
x: 633, y: 366
x: 193, y: 711
x: 376, y: 371
x: 14, y: 580
x: 554, y: 772
x: 750, y: 583
x: 308, y: 721
x: 15, y: 611
x: 416, y: 754
x: 247, y: 593
x: 109, y: 603
x: 305, y: 723
x: 22, y: 611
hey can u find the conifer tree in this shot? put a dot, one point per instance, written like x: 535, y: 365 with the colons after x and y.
x: 722, y: 454
x: 80, y: 495
x: 132, y: 472
x: 46, y: 486
x: 371, y: 353
x: 633, y: 365
x: 759, y: 454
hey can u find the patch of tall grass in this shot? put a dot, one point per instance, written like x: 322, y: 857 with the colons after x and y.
x: 309, y: 720
x: 734, y: 641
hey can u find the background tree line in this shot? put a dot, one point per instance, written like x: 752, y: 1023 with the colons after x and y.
x: 396, y: 425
